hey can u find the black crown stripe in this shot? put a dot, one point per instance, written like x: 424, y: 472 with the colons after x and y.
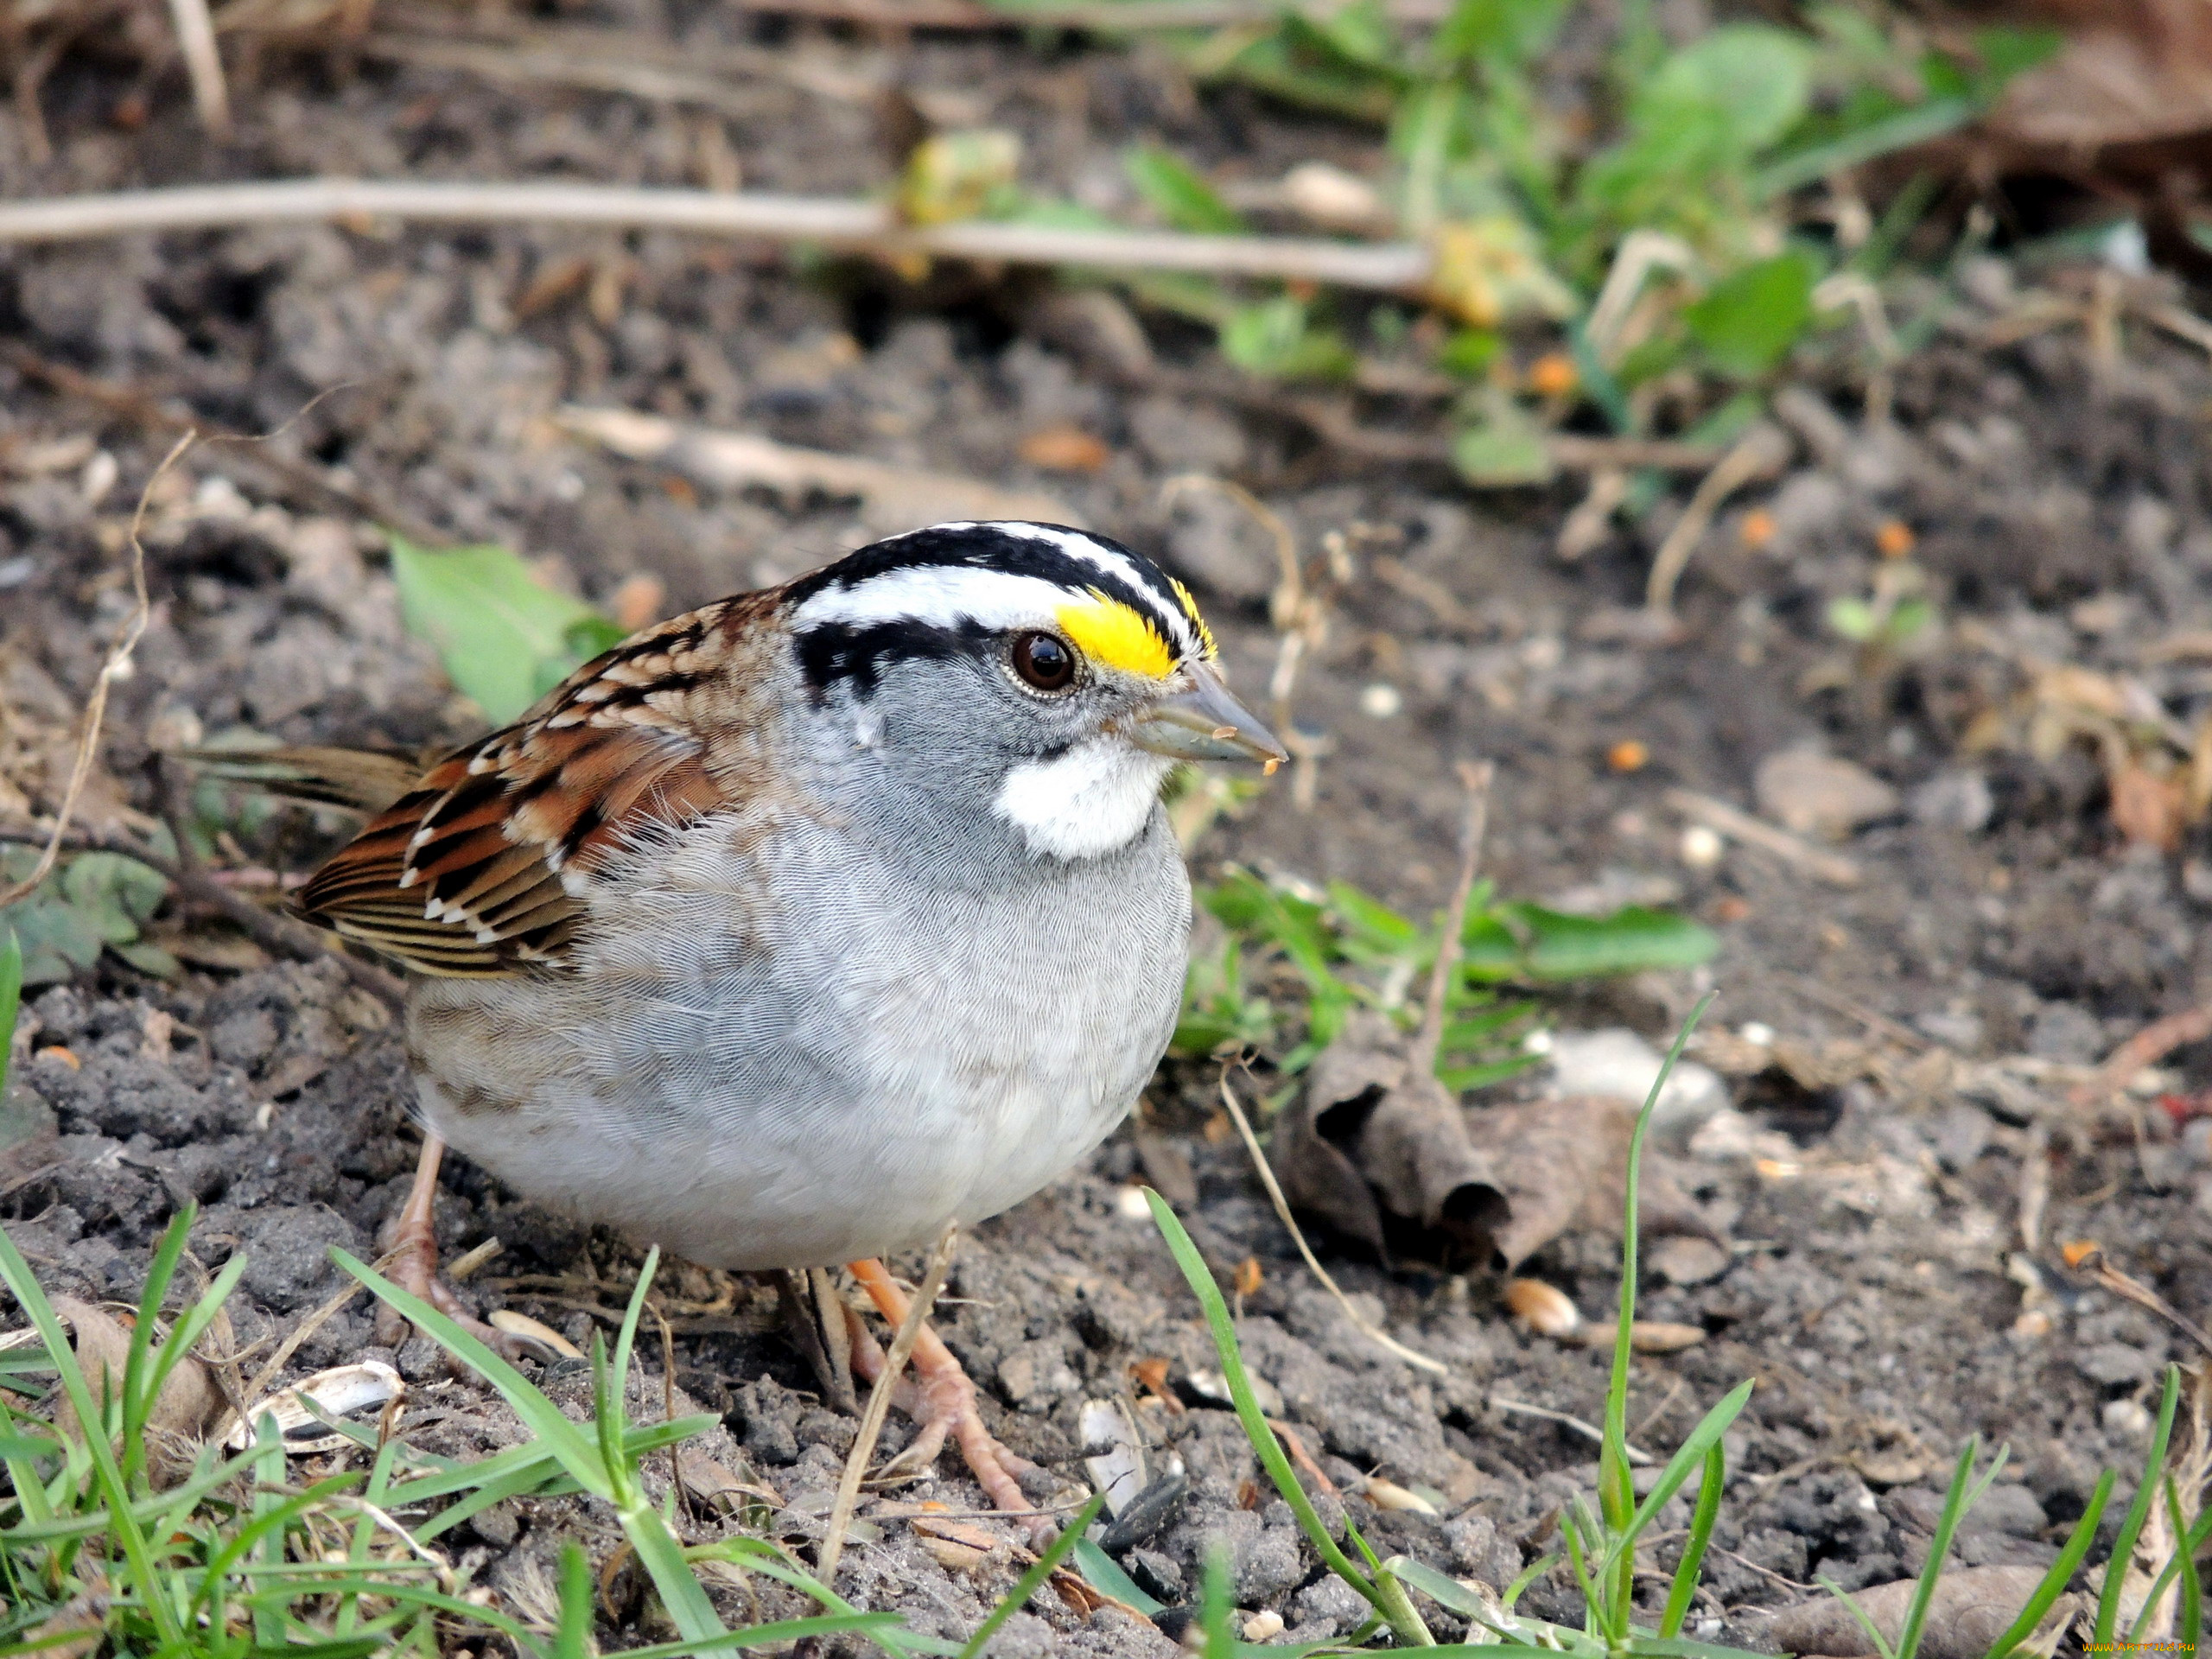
x: 988, y: 547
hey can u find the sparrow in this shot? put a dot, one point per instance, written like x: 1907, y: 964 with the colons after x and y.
x: 791, y: 930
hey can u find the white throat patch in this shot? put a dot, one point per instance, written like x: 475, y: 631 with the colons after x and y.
x: 1095, y: 798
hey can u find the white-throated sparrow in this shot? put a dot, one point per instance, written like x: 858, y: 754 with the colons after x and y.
x: 792, y: 929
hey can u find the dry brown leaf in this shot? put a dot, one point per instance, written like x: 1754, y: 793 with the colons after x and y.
x: 1564, y: 1164
x: 1972, y: 1606
x: 2149, y: 808
x: 187, y: 1407
x: 1065, y: 449
x: 1385, y: 1159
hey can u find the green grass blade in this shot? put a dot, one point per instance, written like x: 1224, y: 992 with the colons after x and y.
x: 11, y: 995
x: 186, y: 1333
x: 2054, y: 1581
x: 662, y: 1556
x: 1033, y: 1580
x: 1580, y: 1529
x: 1105, y: 1574
x: 2192, y: 1588
x: 1683, y: 1590
x: 1219, y: 1642
x: 136, y: 1555
x: 138, y: 1395
x: 1866, y: 1623
x: 1691, y: 1453
x: 572, y: 1634
x: 1255, y: 1420
x: 607, y: 1424
x: 1616, y: 1490
x: 540, y: 1415
x: 2194, y: 1546
x: 2131, y: 1526
x: 1956, y: 1501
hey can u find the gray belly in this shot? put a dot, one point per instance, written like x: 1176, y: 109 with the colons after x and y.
x: 832, y: 1072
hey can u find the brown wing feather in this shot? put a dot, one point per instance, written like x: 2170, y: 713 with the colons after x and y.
x: 480, y: 867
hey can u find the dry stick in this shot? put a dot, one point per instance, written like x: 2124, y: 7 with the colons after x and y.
x: 1831, y: 867
x: 1761, y: 452
x: 2142, y: 1295
x: 117, y: 666
x: 833, y: 221
x: 1373, y: 1333
x: 1566, y: 1419
x: 2144, y: 1049
x: 195, y: 39
x: 1475, y: 777
x: 879, y: 1403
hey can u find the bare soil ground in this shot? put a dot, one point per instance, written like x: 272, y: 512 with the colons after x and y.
x: 1929, y: 1021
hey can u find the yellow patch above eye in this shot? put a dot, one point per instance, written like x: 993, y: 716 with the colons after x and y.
x: 1117, y: 636
x: 1191, y: 610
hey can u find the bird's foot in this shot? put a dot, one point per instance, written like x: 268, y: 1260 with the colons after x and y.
x: 410, y: 1244
x: 940, y: 1398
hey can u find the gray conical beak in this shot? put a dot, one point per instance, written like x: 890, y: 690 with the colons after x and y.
x: 1204, y: 723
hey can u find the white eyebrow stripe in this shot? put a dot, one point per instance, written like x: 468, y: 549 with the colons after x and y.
x: 941, y: 596
x: 931, y: 594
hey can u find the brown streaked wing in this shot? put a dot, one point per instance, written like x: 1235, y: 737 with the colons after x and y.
x: 464, y: 873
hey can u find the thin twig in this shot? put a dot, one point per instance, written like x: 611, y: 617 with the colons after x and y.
x: 833, y: 221
x: 879, y: 1403
x: 1420, y: 1054
x: 1758, y: 454
x: 195, y: 39
x: 117, y: 666
x: 1566, y: 1419
x: 2142, y: 1295
x: 1373, y: 1333
x: 1831, y: 867
x: 2144, y: 1049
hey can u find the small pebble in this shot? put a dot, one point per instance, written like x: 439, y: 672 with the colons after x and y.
x: 1701, y: 847
x: 1263, y: 1626
x: 2126, y: 1417
x: 1759, y: 1035
x: 1129, y: 1200
x: 1380, y: 700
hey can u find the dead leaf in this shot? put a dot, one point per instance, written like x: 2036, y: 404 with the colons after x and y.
x: 1564, y: 1164
x: 188, y: 1404
x: 1972, y: 1606
x: 2148, y: 807
x: 1065, y: 449
x: 1385, y: 1159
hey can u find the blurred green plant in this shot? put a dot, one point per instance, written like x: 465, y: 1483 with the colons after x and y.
x: 504, y: 637
x: 1323, y: 955
x: 12, y: 998
x: 1644, y: 212
x: 92, y: 902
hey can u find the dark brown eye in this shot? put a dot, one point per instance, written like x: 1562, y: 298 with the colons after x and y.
x: 1044, y: 662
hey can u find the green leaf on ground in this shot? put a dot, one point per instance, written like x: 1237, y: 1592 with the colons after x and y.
x: 1748, y: 321
x: 1178, y: 194
x: 504, y: 637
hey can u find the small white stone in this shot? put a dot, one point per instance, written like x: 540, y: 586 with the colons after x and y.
x: 1701, y: 847
x: 1756, y: 1034
x: 1263, y: 1626
x: 2128, y: 1417
x: 1129, y: 1200
x: 1536, y: 1042
x: 1380, y: 701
